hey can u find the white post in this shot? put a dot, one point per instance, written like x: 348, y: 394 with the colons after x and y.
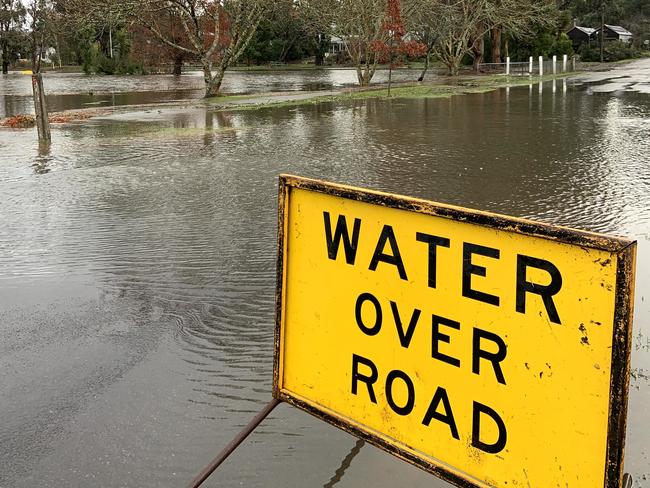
x: 565, y: 58
x: 554, y: 64
x: 530, y: 65
x: 508, y: 66
x: 541, y: 65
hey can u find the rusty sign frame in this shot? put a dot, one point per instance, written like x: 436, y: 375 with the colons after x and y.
x: 625, y: 250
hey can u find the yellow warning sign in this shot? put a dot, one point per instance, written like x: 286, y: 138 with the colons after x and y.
x: 488, y: 350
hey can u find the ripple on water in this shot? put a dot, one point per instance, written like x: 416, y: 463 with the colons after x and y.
x: 139, y: 272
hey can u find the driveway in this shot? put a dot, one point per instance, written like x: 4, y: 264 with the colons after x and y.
x: 628, y: 77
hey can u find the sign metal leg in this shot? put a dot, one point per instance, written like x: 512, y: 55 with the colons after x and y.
x: 232, y: 445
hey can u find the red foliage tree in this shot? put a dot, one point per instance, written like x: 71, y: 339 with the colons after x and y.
x: 393, y: 22
x: 395, y: 48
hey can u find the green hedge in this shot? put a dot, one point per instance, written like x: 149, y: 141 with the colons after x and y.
x: 614, y: 51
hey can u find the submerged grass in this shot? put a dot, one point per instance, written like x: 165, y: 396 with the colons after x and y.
x: 184, y: 132
x: 451, y: 87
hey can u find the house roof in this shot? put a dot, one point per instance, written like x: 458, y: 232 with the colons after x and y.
x: 587, y: 30
x: 619, y: 30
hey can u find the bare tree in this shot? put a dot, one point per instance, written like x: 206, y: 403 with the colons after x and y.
x: 515, y: 18
x: 477, y: 51
x: 286, y: 26
x: 459, y: 24
x: 455, y: 28
x: 358, y: 23
x: 216, y: 32
x: 422, y: 27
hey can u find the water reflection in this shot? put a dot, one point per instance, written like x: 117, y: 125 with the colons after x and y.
x: 41, y: 164
x: 66, y: 91
x: 345, y: 464
x: 137, y: 291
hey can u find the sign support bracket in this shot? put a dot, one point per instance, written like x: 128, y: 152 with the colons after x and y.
x: 233, y: 444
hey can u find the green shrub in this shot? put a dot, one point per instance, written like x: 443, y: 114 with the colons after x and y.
x: 563, y: 45
x: 90, y: 55
x: 544, y: 43
x: 105, y: 65
x: 614, y: 51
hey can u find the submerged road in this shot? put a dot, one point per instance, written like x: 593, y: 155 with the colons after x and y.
x: 628, y: 77
x: 137, y: 259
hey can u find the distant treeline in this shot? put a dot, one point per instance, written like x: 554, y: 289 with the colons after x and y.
x: 130, y: 36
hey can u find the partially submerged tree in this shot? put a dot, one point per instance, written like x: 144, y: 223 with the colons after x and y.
x: 215, y: 32
x: 358, y: 23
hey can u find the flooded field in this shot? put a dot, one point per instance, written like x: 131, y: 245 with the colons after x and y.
x: 137, y: 259
x: 66, y: 91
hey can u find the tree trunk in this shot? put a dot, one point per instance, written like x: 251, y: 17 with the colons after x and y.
x: 478, y: 53
x: 178, y: 64
x: 213, y: 81
x: 285, y: 50
x: 390, y: 68
x: 452, y: 64
x: 365, y: 77
x: 364, y: 74
x: 426, y: 66
x: 359, y: 75
x: 322, y: 46
x: 5, y: 62
x: 495, y: 35
x: 58, y: 50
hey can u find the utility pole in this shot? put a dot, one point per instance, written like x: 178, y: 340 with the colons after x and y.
x: 40, y: 108
x: 38, y: 41
x: 390, y: 61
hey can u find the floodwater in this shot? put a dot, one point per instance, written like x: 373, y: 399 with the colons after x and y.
x: 137, y: 259
x: 66, y: 91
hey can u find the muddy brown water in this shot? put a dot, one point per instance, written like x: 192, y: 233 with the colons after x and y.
x: 137, y: 259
